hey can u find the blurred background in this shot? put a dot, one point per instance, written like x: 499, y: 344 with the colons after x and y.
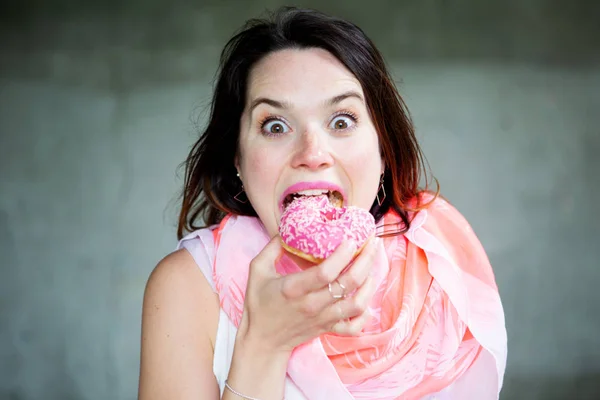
x: 101, y: 100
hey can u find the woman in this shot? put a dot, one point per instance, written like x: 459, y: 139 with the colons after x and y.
x: 304, y: 101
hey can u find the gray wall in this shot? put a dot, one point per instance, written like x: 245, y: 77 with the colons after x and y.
x: 98, y: 105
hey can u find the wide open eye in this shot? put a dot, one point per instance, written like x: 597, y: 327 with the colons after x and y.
x: 343, y: 121
x: 274, y: 127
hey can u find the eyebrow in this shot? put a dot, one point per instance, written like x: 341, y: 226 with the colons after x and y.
x: 286, y: 105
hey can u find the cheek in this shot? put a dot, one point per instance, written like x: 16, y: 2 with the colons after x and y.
x: 260, y: 171
x: 367, y: 169
x: 364, y: 170
x: 256, y: 168
x: 252, y: 154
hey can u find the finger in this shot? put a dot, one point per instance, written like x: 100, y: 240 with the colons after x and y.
x: 352, y: 326
x: 322, y: 304
x: 319, y: 276
x: 351, y: 307
x: 264, y: 262
x: 319, y: 300
x: 353, y: 277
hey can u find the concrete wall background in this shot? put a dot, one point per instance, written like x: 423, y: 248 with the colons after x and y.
x: 98, y: 104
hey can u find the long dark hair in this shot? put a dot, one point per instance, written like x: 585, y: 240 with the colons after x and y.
x: 210, y: 174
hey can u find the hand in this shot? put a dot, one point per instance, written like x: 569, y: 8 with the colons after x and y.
x: 282, y: 312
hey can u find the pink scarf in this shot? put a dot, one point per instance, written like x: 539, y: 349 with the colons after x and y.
x: 436, y: 308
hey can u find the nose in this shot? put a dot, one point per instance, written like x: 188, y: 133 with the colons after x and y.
x: 312, y: 151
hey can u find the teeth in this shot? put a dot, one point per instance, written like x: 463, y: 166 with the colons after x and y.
x: 312, y: 192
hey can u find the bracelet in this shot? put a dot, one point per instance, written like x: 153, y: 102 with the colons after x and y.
x: 232, y: 390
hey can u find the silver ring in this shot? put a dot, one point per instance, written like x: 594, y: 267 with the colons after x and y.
x: 337, y: 296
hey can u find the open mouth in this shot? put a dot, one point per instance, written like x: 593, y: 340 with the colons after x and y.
x: 335, y: 198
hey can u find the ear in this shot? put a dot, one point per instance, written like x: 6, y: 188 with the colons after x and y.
x: 236, y: 163
x: 382, y: 166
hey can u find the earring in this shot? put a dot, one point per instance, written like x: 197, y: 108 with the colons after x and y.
x: 381, y: 189
x: 237, y: 199
x: 240, y: 192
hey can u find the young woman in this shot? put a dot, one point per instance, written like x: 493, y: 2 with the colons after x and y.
x: 303, y: 101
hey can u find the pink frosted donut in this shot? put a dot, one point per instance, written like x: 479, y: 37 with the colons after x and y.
x: 312, y: 228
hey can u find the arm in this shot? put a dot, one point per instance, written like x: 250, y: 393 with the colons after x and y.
x: 256, y: 371
x: 179, y: 323
x: 179, y: 315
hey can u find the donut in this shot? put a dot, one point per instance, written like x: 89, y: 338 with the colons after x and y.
x: 311, y: 227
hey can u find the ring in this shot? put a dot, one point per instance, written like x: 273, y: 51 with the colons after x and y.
x: 337, y: 296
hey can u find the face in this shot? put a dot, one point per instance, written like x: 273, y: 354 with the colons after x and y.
x: 306, y: 126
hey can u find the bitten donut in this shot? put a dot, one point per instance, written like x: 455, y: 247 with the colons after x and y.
x: 312, y: 228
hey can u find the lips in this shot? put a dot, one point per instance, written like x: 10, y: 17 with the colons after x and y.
x: 334, y: 192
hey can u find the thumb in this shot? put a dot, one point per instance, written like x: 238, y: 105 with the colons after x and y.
x: 264, y: 262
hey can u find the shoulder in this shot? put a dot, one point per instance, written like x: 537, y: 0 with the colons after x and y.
x: 177, y: 291
x: 437, y: 213
x: 179, y: 322
x: 439, y: 207
x: 177, y: 279
x: 176, y: 268
x: 452, y: 232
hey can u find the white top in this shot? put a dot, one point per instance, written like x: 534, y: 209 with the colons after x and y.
x: 473, y: 385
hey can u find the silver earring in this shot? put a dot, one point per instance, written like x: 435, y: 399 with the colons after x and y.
x: 381, y: 189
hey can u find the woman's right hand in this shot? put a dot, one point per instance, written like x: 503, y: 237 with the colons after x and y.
x: 282, y: 312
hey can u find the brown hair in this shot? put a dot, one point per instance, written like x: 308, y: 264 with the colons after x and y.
x: 210, y: 176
